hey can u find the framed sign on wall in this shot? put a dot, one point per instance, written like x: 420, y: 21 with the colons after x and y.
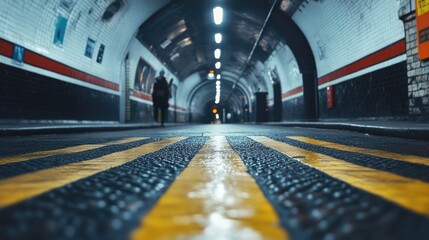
x: 422, y: 18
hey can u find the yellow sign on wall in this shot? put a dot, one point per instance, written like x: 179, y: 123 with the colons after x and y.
x: 422, y: 7
x: 422, y: 11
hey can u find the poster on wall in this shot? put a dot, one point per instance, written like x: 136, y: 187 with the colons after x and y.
x: 18, y: 54
x: 422, y: 16
x: 89, y: 50
x: 60, y: 31
x: 100, y: 54
x: 145, y: 77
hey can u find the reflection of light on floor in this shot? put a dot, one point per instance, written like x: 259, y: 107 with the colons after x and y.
x: 222, y: 200
x: 217, y: 121
x: 221, y: 227
x: 214, y: 198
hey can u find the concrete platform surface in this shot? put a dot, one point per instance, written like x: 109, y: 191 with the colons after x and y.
x: 402, y: 129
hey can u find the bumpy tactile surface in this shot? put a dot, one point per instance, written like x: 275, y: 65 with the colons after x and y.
x: 313, y: 205
x: 411, y: 170
x: 107, y: 205
x: 14, y: 169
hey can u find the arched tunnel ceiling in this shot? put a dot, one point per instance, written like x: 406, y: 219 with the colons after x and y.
x: 203, y: 96
x: 181, y: 35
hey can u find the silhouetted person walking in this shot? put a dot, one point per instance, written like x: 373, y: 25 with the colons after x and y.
x: 160, y: 96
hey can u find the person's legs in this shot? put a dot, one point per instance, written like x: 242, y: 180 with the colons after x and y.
x: 162, y: 116
x: 155, y: 113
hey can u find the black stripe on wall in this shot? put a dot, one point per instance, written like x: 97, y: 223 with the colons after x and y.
x: 31, y: 96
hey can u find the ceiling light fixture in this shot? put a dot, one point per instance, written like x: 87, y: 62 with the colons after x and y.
x: 217, y: 53
x: 218, y: 65
x: 218, y: 38
x: 218, y: 15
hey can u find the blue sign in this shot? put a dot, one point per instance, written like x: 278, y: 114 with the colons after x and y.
x: 18, y: 54
x: 89, y: 50
x: 60, y: 31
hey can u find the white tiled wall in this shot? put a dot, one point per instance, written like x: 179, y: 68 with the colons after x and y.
x: 137, y: 51
x: 284, y: 61
x: 343, y: 31
x: 339, y: 31
x: 32, y: 25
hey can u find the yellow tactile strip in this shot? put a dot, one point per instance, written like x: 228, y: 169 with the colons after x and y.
x: 373, y: 152
x: 213, y: 198
x: 68, y: 150
x: 19, y: 188
x: 408, y: 193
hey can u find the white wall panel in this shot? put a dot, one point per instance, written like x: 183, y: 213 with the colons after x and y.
x: 286, y: 66
x: 32, y: 24
x: 137, y: 51
x: 343, y: 31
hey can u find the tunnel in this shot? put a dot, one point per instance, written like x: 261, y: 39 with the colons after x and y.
x: 98, y: 60
x: 286, y: 119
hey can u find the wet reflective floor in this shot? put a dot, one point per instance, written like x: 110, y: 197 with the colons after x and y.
x: 214, y: 182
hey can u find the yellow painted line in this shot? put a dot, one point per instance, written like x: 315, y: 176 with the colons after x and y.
x: 213, y: 198
x: 408, y: 193
x: 74, y: 149
x: 19, y: 188
x: 373, y: 152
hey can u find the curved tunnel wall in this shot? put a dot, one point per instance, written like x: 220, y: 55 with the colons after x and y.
x: 143, y: 68
x: 61, y: 75
x: 358, y: 47
x: 359, y: 50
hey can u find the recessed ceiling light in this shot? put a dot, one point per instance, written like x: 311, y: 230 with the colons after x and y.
x: 218, y: 15
x: 218, y: 38
x: 218, y: 65
x: 217, y: 53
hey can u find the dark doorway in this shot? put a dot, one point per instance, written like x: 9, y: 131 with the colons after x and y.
x: 277, y: 90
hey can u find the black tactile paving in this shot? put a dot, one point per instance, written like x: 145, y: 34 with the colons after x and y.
x: 108, y: 205
x: 14, y: 169
x: 406, y: 169
x: 313, y: 205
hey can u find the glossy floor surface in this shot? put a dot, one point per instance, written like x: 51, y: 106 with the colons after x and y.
x: 214, y: 182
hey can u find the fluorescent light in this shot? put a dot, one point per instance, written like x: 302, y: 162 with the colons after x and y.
x: 165, y: 43
x: 218, y: 37
x: 176, y: 55
x: 218, y: 77
x: 217, y: 97
x: 218, y: 65
x: 217, y: 53
x: 218, y: 15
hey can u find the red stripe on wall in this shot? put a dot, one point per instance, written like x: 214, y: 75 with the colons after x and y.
x: 148, y: 97
x: 142, y: 95
x: 292, y: 92
x: 6, y: 48
x: 389, y: 52
x: 51, y: 65
x: 394, y: 50
x: 37, y: 60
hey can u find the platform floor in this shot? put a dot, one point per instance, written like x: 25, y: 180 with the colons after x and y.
x: 214, y: 182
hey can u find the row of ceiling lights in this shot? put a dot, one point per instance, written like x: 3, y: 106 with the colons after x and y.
x: 218, y: 19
